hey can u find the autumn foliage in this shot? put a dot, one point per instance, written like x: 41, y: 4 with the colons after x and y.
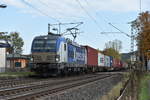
x: 142, y: 27
x: 112, y: 48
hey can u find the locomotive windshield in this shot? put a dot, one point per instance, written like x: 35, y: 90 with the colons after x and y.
x: 44, y: 45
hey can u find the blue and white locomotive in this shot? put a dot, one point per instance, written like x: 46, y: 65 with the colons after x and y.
x: 53, y: 54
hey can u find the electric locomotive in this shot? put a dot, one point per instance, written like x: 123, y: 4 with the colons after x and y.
x: 53, y: 54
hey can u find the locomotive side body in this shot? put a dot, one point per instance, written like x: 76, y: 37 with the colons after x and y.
x: 76, y: 54
x: 76, y: 58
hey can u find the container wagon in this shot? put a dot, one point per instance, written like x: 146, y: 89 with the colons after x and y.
x: 117, y: 64
x: 92, y: 59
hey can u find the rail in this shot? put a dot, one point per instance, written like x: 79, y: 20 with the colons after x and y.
x: 38, y: 90
x: 124, y: 91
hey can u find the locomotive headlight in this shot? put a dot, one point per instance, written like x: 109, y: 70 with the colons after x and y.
x: 31, y: 59
x: 57, y: 58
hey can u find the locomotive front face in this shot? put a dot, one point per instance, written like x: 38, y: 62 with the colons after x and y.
x: 44, y: 50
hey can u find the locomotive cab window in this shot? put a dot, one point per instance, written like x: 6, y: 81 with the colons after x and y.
x: 42, y: 45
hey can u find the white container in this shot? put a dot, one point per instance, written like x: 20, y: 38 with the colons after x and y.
x: 107, y: 61
x: 101, y: 60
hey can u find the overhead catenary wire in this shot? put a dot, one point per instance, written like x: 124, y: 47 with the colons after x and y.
x: 90, y: 16
x: 106, y: 21
x: 30, y: 5
x: 45, y: 4
x: 104, y: 18
x: 119, y: 30
x: 59, y: 12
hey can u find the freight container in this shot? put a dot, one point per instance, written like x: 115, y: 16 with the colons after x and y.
x: 121, y: 64
x: 92, y: 56
x: 107, y: 61
x: 124, y: 65
x: 117, y: 63
x: 101, y: 62
x: 111, y: 61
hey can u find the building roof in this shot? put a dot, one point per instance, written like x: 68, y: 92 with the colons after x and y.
x: 18, y: 56
x: 4, y: 44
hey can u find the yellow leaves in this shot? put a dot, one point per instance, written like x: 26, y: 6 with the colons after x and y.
x: 112, y: 52
x: 142, y: 26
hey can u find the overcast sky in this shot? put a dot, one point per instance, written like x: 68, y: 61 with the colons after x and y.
x: 30, y: 18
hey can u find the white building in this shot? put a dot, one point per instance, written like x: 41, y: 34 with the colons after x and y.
x: 2, y: 59
x: 3, y: 51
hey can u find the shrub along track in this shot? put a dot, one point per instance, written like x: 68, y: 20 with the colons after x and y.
x: 43, y: 88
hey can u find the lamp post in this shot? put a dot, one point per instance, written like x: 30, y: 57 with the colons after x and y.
x: 3, y: 6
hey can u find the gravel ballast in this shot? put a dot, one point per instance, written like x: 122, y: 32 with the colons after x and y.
x: 90, y: 91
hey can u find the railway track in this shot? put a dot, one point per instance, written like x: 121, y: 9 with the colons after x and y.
x: 10, y: 83
x: 38, y: 89
x: 4, y: 84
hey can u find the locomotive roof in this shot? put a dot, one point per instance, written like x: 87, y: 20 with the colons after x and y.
x: 55, y: 36
x: 49, y: 36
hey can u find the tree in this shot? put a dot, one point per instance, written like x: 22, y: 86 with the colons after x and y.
x: 142, y: 27
x: 115, y: 44
x: 112, y: 48
x: 16, y: 42
x: 112, y: 52
x: 4, y: 36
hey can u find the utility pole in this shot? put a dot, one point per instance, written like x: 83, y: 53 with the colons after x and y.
x: 133, y: 57
x: 59, y: 28
x: 49, y: 25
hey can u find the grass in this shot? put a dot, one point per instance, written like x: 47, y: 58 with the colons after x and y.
x: 16, y: 74
x: 113, y: 93
x: 144, y: 92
